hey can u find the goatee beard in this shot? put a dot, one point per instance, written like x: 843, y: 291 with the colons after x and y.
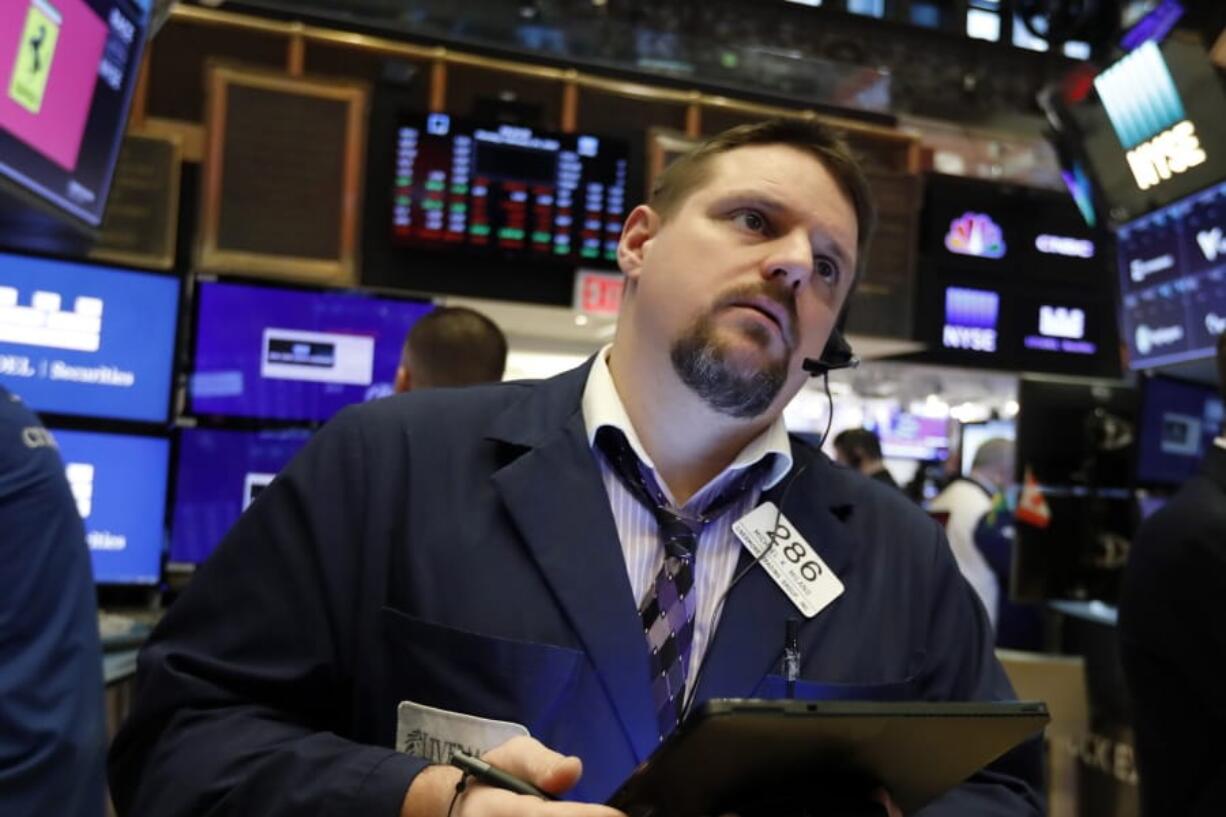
x: 702, y: 362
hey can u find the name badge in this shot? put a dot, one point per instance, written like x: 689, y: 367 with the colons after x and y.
x: 436, y: 734
x: 789, y: 560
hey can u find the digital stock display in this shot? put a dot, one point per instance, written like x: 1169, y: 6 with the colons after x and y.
x: 1172, y: 272
x: 508, y: 188
x: 294, y: 354
x: 67, y: 70
x: 119, y: 484
x: 86, y: 340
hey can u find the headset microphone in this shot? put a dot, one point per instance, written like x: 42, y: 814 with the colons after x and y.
x: 838, y: 354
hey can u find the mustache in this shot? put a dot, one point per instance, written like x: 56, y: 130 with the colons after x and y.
x: 782, y: 296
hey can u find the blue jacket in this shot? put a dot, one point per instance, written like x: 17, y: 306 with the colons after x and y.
x: 457, y: 548
x: 52, y: 722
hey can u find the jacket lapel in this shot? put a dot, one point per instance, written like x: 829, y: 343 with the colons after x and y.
x: 557, y: 500
x: 748, y: 643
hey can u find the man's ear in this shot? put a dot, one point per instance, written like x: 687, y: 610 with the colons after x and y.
x: 641, y: 226
x: 402, y: 380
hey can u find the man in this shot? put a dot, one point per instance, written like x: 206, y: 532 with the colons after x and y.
x: 860, y: 449
x: 966, y: 500
x: 451, y: 346
x: 493, y: 554
x: 1172, y: 643
x: 52, y: 726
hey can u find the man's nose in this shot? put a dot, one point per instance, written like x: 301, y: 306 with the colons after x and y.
x: 790, y: 259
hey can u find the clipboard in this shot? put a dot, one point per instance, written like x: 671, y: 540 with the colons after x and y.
x: 733, y: 751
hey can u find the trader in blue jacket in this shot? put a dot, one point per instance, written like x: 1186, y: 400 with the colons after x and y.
x: 453, y: 568
x: 52, y: 720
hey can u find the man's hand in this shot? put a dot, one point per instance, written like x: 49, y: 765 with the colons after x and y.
x: 431, y: 792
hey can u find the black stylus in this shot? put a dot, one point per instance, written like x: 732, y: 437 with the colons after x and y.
x: 493, y: 776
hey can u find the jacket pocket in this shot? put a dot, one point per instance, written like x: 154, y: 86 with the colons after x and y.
x: 486, y: 676
x: 774, y: 686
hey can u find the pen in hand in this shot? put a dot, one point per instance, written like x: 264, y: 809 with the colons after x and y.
x: 493, y: 776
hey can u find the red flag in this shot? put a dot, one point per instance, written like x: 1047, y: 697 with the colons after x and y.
x: 1032, y: 508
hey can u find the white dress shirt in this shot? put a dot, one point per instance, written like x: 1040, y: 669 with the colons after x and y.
x: 718, y: 548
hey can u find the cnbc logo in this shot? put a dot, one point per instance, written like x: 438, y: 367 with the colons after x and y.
x: 975, y: 234
x: 1148, y: 116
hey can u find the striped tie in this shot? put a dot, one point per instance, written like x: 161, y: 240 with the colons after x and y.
x: 668, y: 610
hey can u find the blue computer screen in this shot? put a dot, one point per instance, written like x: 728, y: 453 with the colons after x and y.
x: 119, y: 483
x: 1179, y: 421
x: 85, y: 340
x: 218, y: 474
x: 295, y: 354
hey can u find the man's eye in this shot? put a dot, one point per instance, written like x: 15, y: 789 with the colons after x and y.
x: 826, y: 269
x: 751, y: 220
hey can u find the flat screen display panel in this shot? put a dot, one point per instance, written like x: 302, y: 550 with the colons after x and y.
x: 85, y: 340
x: 218, y: 475
x: 1172, y: 273
x: 119, y: 484
x: 1179, y: 421
x: 507, y: 188
x: 976, y: 434
x: 67, y: 70
x: 911, y: 437
x: 294, y: 354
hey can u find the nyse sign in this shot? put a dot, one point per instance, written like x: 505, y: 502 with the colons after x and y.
x: 1166, y: 155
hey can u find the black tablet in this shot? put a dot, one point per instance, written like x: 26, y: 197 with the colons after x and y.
x: 733, y: 753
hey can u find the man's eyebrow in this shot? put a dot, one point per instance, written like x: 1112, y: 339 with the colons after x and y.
x: 770, y: 204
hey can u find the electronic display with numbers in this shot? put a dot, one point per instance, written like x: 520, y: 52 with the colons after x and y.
x: 507, y: 188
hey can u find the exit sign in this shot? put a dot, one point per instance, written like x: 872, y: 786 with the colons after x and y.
x: 598, y: 293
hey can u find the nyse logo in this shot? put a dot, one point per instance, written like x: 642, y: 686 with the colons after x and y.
x: 1062, y: 322
x: 1166, y: 155
x: 81, y: 481
x: 1212, y: 243
x: 970, y: 319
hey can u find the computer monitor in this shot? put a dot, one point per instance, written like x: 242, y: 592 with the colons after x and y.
x: 1172, y: 274
x: 218, y: 475
x: 67, y: 70
x: 507, y: 189
x: 1078, y: 440
x: 87, y: 340
x: 976, y: 434
x: 909, y: 436
x: 119, y: 483
x: 295, y: 354
x: 1179, y: 421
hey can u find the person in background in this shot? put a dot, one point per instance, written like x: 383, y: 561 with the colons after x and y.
x: 451, y: 346
x: 1019, y: 626
x: 860, y: 448
x: 52, y: 721
x: 966, y: 500
x: 1173, y: 643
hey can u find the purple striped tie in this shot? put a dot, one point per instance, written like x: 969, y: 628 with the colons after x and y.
x: 668, y: 611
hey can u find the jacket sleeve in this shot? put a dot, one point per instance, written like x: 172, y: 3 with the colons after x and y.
x: 52, y: 722
x: 243, y: 690
x: 961, y: 666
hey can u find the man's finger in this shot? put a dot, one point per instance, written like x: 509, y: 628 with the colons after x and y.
x: 530, y: 760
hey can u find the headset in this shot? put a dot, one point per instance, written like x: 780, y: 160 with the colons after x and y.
x: 838, y: 354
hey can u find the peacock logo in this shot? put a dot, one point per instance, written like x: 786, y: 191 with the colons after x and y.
x: 975, y: 234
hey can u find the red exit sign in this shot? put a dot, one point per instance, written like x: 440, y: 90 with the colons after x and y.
x: 598, y: 293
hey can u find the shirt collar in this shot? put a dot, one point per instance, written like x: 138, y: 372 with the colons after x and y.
x: 1220, y: 442
x: 602, y: 406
